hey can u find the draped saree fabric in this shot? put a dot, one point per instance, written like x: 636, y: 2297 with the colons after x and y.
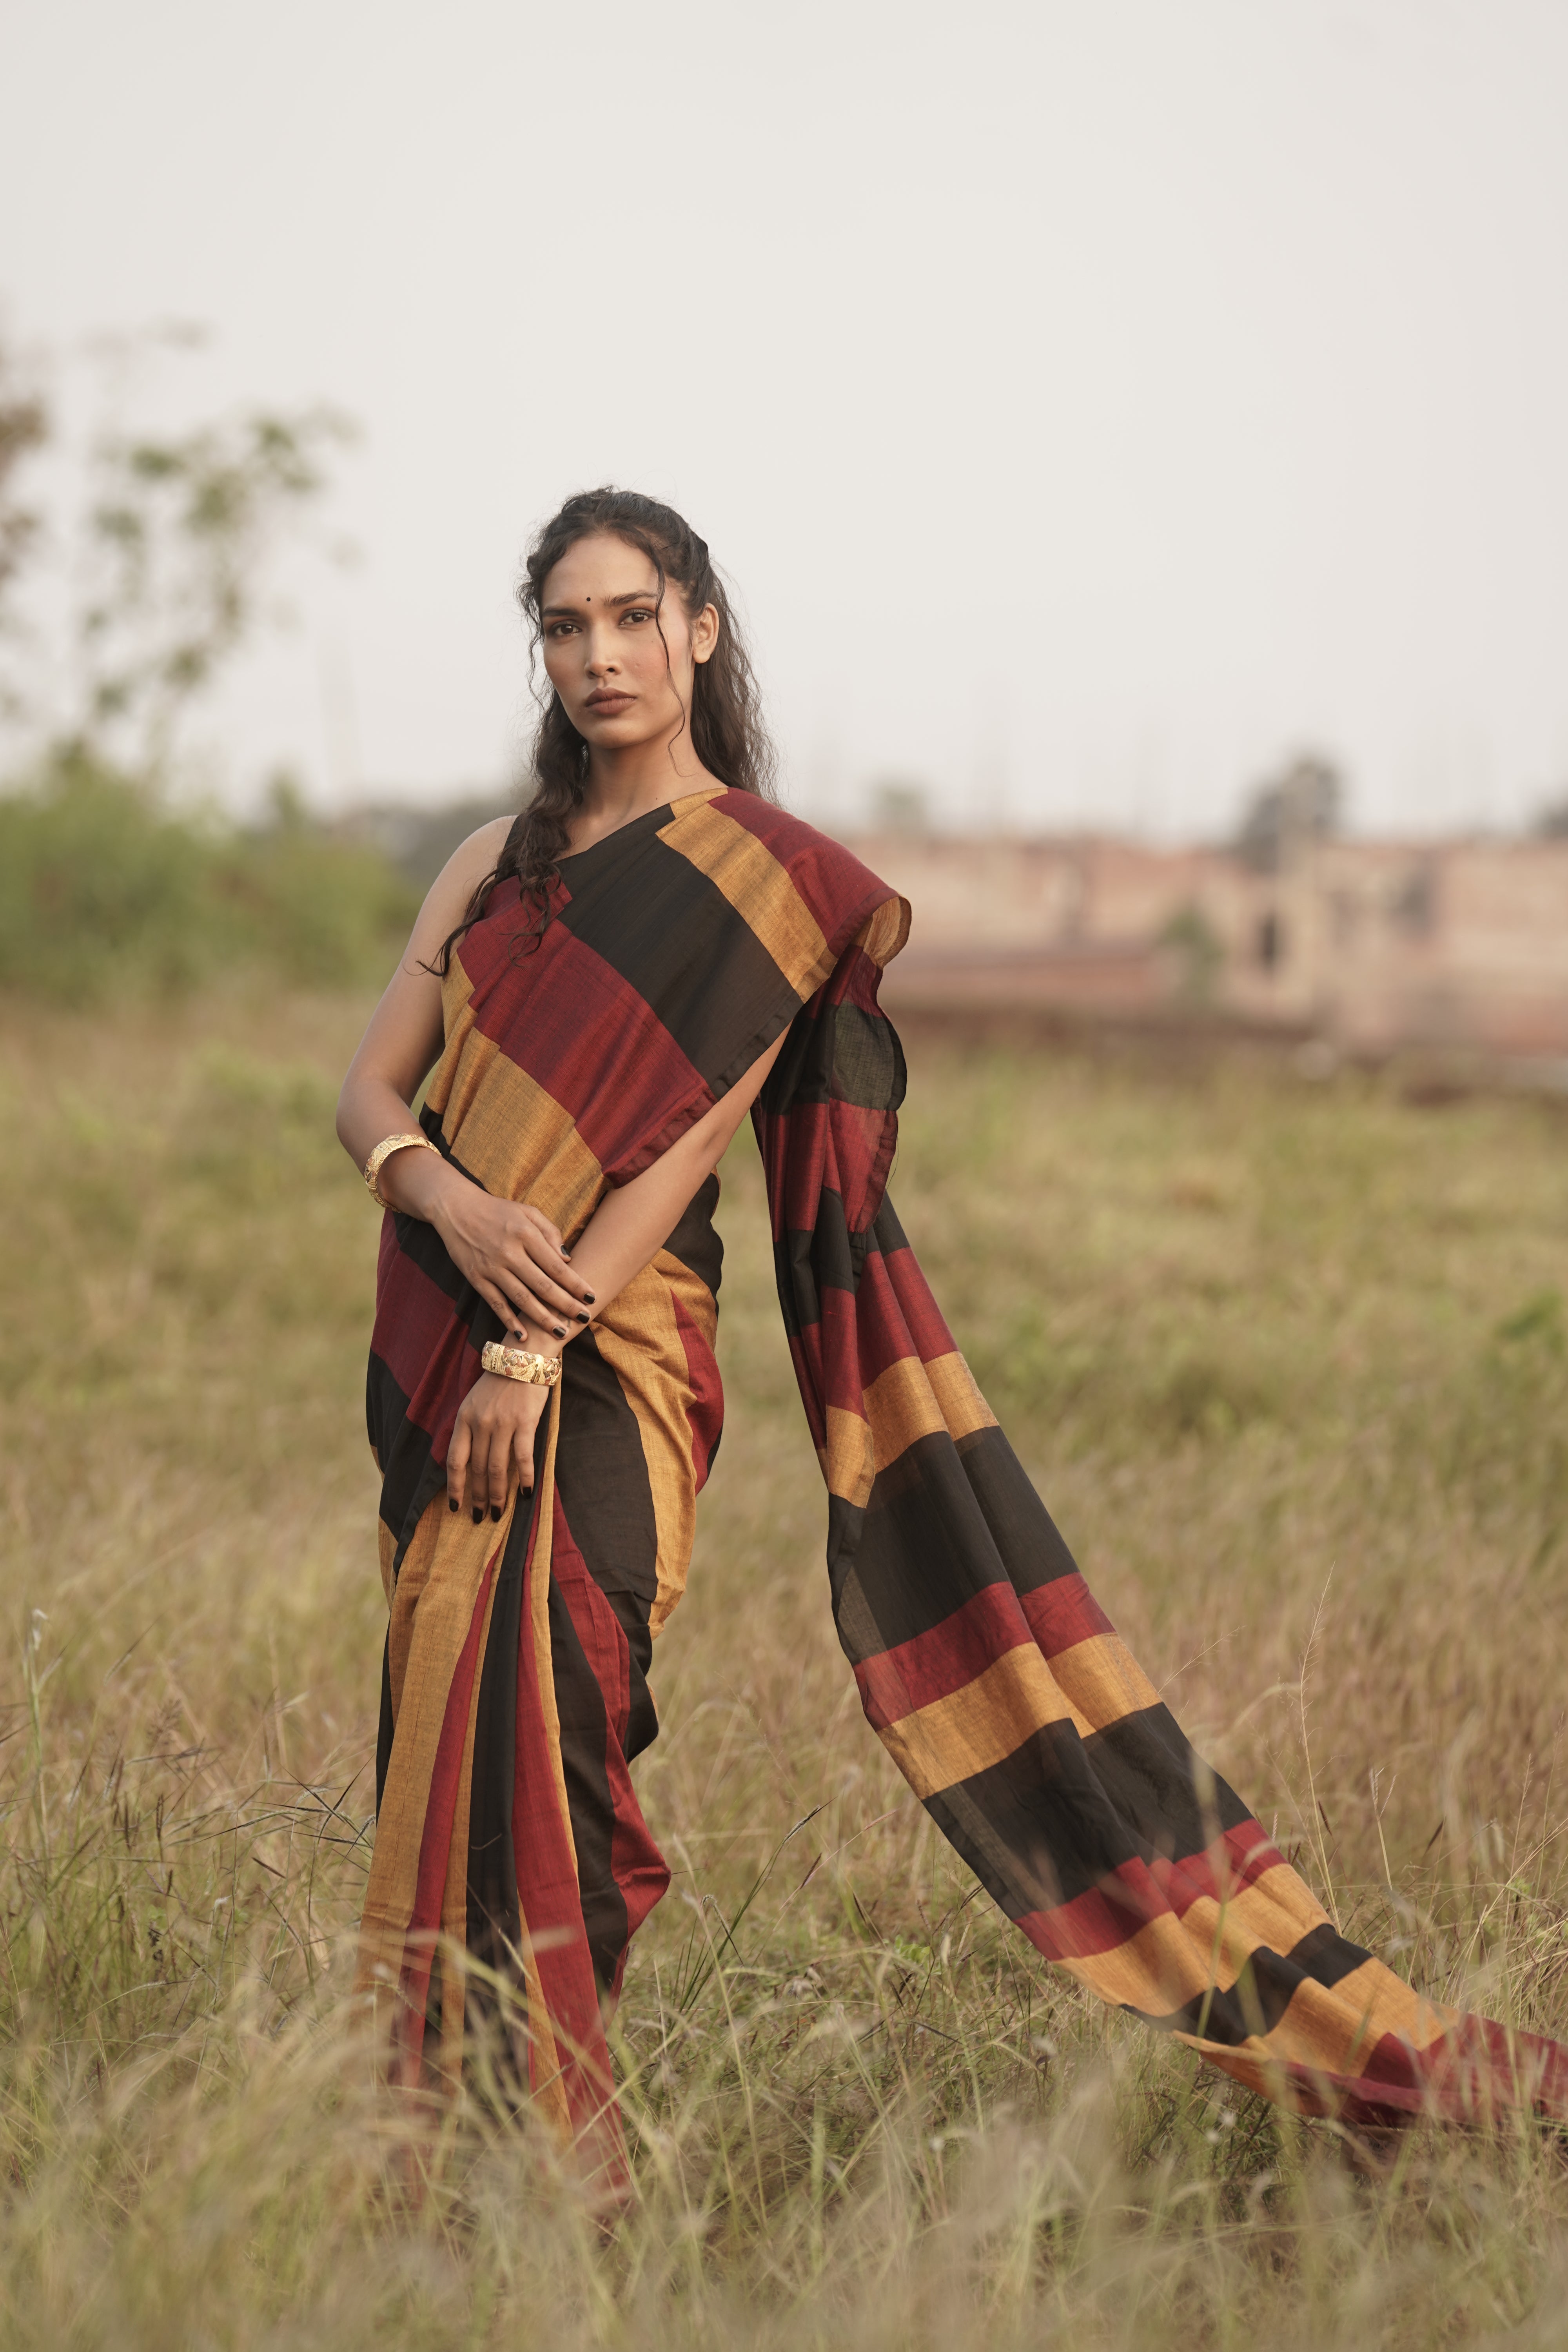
x: 515, y: 1690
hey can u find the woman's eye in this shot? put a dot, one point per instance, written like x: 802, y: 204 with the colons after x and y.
x: 560, y: 629
x: 637, y: 614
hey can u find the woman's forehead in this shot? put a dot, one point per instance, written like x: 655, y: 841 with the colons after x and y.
x: 601, y: 567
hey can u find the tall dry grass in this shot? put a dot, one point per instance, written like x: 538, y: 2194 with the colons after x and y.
x: 1290, y: 1365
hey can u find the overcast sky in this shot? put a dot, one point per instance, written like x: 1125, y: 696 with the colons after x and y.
x: 1093, y: 403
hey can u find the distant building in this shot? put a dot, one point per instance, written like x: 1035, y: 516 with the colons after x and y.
x: 1372, y: 945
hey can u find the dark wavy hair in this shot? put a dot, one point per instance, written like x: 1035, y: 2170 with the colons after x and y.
x: 727, y: 731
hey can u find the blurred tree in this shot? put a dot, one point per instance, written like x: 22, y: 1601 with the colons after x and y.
x: 1304, y: 802
x: 899, y: 805
x: 135, y: 592
x: 149, y: 572
x: 179, y: 535
x: 1198, y: 952
x: 23, y: 428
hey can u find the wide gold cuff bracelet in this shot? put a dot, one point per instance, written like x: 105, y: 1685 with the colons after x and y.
x: 519, y: 1364
x: 383, y: 1152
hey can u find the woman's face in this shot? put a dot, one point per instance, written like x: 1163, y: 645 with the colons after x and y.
x: 602, y: 650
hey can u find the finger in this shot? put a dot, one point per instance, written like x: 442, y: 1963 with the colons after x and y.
x: 530, y: 1306
x: 500, y: 1477
x: 456, y: 1466
x: 552, y: 1260
x: 479, y: 1473
x: 516, y: 1305
x: 496, y: 1299
x: 514, y: 1312
x: 551, y: 1231
x: 523, y: 1445
x: 515, y: 1320
x: 562, y: 1302
x: 560, y: 1266
x: 522, y: 1450
x: 550, y: 1302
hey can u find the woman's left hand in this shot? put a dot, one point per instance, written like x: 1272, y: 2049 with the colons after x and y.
x: 492, y: 1440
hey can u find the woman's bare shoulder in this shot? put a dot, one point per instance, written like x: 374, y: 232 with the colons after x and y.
x: 469, y: 863
x: 476, y: 856
x: 448, y: 899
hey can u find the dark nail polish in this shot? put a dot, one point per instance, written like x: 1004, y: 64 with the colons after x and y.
x: 478, y: 1518
x: 451, y: 1502
x: 495, y: 1510
x: 581, y: 1314
x: 590, y: 1298
x: 560, y: 1331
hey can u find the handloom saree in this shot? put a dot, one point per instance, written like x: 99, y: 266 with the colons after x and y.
x: 515, y: 1691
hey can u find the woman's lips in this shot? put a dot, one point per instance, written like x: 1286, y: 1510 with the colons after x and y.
x: 607, y: 705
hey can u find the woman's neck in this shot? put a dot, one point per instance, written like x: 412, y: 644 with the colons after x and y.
x: 624, y: 785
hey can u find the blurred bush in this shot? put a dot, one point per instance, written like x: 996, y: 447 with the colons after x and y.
x: 105, y: 890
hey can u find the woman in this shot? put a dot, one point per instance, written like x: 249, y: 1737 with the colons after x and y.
x: 605, y: 987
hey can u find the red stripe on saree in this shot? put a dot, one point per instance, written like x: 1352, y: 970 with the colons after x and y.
x: 436, y: 1845
x: 705, y: 1407
x: 640, y: 1872
x: 934, y: 1665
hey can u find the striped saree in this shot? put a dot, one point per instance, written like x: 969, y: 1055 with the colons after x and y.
x: 514, y: 1690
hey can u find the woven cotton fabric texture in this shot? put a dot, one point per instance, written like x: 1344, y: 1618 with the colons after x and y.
x: 510, y: 1844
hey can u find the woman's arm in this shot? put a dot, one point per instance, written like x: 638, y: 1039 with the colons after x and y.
x: 494, y: 1436
x: 510, y: 1253
x: 631, y: 1224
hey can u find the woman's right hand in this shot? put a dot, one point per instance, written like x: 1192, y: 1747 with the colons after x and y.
x: 513, y: 1257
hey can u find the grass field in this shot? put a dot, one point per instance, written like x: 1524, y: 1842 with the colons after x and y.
x: 1291, y: 1364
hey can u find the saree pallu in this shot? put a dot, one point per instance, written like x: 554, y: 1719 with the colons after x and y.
x: 515, y: 1690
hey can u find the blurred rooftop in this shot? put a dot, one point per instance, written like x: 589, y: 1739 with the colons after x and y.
x: 1371, y: 945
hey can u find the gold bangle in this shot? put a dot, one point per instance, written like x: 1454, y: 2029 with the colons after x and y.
x: 520, y: 1364
x: 384, y: 1152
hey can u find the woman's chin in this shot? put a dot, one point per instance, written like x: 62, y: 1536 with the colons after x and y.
x: 627, y: 732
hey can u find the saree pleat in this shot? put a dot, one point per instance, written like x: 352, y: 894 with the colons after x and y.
x: 511, y: 1852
